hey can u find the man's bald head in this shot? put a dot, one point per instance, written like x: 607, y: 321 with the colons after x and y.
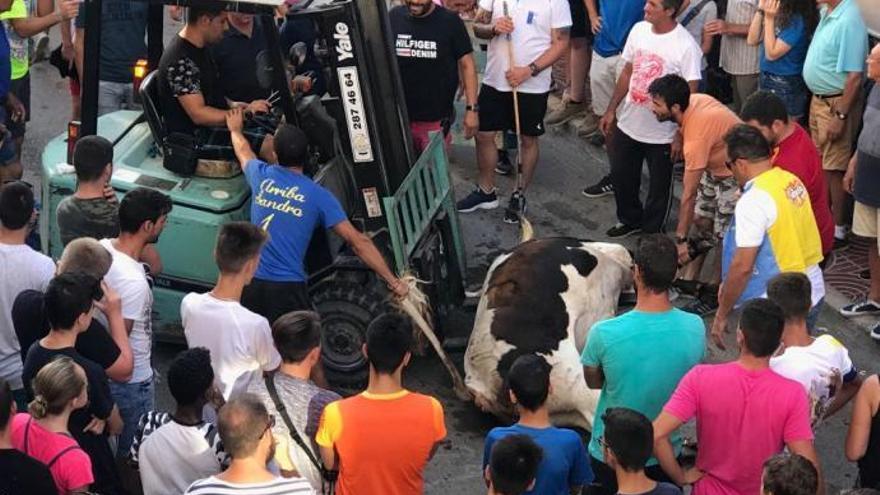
x: 242, y: 422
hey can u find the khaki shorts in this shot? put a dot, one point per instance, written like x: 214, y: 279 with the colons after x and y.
x: 604, y: 72
x: 866, y: 221
x: 835, y: 154
x: 716, y: 201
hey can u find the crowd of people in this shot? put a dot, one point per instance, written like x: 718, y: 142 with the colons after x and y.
x: 764, y: 181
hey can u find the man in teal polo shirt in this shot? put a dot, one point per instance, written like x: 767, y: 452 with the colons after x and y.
x: 833, y: 72
x: 638, y: 358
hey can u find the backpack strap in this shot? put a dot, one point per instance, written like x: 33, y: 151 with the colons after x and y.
x: 54, y: 459
x: 693, y: 13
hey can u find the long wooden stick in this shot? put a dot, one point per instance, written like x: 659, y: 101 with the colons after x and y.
x: 511, y: 65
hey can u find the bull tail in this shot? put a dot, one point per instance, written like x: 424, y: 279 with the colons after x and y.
x: 416, y: 306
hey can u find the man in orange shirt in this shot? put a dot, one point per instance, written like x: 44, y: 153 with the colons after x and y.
x: 381, y: 439
x: 707, y: 199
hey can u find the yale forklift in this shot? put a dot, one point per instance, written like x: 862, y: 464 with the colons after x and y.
x: 361, y: 150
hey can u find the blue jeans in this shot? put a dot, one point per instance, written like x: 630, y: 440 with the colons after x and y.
x: 813, y: 316
x: 791, y: 89
x: 134, y: 400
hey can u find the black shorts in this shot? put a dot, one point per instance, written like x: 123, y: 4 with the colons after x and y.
x: 580, y: 22
x: 496, y: 111
x: 273, y: 299
x: 21, y: 88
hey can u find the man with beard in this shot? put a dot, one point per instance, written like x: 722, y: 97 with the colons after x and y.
x: 709, y: 190
x: 191, y: 97
x: 246, y: 432
x: 433, y: 46
x: 142, y: 216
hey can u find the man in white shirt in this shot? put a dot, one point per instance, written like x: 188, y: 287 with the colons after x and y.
x: 240, y: 340
x: 821, y: 364
x: 246, y: 431
x: 655, y: 47
x: 142, y: 216
x: 173, y: 450
x: 21, y: 269
x: 536, y: 32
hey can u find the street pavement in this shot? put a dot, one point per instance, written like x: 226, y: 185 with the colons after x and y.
x: 556, y: 208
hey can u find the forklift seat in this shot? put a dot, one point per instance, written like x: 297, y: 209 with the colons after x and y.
x: 149, y: 92
x: 182, y: 153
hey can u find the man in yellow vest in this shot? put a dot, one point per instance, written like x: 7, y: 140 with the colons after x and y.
x: 773, y: 229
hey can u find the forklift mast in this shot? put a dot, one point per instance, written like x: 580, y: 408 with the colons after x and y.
x: 365, y: 95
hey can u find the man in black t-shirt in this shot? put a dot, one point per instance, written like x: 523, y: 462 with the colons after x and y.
x: 433, y: 46
x: 191, y: 97
x: 69, y: 302
x: 20, y: 473
x: 110, y: 350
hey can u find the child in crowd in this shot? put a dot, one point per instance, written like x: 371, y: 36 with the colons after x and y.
x: 789, y: 474
x: 627, y: 446
x: 565, y: 468
x: 513, y: 465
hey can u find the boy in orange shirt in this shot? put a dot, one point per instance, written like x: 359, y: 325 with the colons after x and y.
x: 381, y: 439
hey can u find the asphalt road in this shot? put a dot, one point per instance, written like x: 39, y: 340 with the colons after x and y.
x: 556, y: 207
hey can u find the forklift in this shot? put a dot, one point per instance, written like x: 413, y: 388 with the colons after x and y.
x: 362, y: 152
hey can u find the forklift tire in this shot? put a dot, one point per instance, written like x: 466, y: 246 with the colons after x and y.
x: 346, y: 309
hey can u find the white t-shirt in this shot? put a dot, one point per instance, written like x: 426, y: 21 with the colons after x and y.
x: 653, y: 56
x: 240, y: 340
x: 755, y: 212
x: 533, y: 21
x: 21, y: 269
x: 128, y: 277
x: 815, y: 367
x: 175, y: 455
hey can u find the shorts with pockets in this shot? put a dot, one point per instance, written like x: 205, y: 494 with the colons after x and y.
x: 835, y: 154
x: 716, y: 201
x: 496, y: 111
x: 866, y: 221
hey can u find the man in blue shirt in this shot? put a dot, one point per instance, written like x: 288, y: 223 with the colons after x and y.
x: 564, y: 468
x: 290, y: 206
x: 10, y: 108
x: 638, y: 358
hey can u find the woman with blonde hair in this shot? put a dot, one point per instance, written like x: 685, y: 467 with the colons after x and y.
x: 59, y: 389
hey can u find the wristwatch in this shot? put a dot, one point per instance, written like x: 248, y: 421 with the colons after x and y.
x: 472, y: 108
x: 840, y: 115
x: 534, y: 68
x: 680, y: 239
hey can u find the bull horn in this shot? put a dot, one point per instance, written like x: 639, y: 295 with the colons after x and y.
x: 415, y: 305
x: 527, y: 232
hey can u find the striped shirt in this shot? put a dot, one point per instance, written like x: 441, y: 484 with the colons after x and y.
x: 278, y: 486
x: 738, y: 58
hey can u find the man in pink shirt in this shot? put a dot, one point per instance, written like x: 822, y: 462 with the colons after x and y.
x: 745, y: 412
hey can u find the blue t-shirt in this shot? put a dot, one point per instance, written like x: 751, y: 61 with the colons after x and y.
x: 123, y: 37
x: 618, y: 17
x: 643, y: 357
x: 5, y: 67
x: 565, y: 462
x: 792, y: 63
x: 289, y: 206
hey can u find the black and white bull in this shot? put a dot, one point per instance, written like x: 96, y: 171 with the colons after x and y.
x: 542, y: 298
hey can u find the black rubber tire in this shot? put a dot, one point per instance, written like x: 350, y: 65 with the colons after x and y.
x: 346, y: 310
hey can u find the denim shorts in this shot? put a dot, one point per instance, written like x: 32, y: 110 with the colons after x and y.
x: 134, y: 400
x: 791, y: 89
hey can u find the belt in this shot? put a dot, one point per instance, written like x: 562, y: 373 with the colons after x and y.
x: 828, y: 97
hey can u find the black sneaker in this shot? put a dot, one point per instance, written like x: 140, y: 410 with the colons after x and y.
x: 701, y: 307
x: 599, y: 189
x: 478, y: 200
x: 515, y: 208
x: 861, y: 308
x: 840, y: 243
x: 865, y: 274
x: 503, y: 167
x: 622, y: 230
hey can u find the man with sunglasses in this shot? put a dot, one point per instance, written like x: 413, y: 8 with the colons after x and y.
x: 246, y: 431
x: 773, y: 229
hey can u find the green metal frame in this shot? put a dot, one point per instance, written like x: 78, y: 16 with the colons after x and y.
x: 425, y: 192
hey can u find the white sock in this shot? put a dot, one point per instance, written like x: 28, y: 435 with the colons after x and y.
x: 840, y: 231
